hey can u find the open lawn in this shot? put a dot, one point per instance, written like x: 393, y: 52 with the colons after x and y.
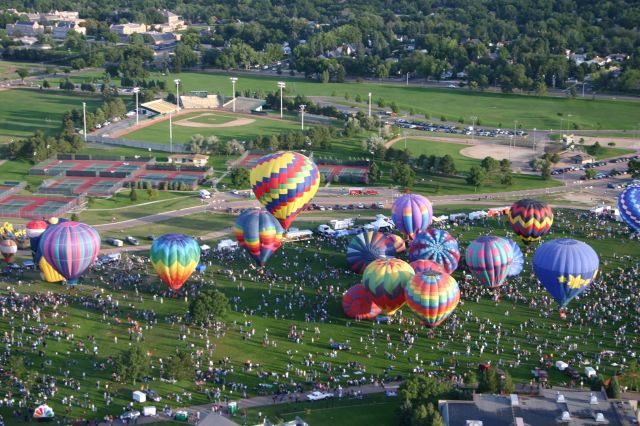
x: 159, y: 133
x: 8, y: 69
x: 271, y: 309
x: 493, y: 109
x: 613, y: 152
x: 419, y: 147
x: 23, y: 111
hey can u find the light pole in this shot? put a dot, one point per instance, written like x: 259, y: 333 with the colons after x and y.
x: 281, y: 85
x: 369, y: 104
x: 233, y: 84
x: 136, y: 90
x: 473, y: 128
x: 170, y: 133
x: 407, y: 79
x: 534, y: 139
x: 177, y: 82
x: 302, y: 107
x: 515, y: 130
x: 84, y: 120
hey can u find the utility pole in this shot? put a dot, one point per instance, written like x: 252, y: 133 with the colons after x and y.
x: 302, y: 107
x: 233, y: 84
x: 473, y: 128
x: 177, y: 82
x: 136, y: 90
x: 534, y: 139
x: 583, y: 88
x: 84, y: 120
x: 407, y: 79
x: 170, y: 134
x: 404, y: 133
x: 281, y: 85
x: 369, y: 104
x: 379, y: 126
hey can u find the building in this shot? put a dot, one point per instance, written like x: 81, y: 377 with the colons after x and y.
x: 62, y: 29
x: 128, y: 29
x: 191, y: 160
x: 550, y: 407
x: 173, y: 22
x: 20, y: 29
x: 163, y: 40
x: 53, y: 16
x: 583, y: 158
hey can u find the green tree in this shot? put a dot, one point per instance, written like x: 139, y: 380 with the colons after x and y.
x: 74, y: 217
x: 133, y: 195
x: 597, y: 383
x: 133, y: 364
x: 476, y: 176
x: 447, y: 165
x: 46, y: 84
x: 488, y: 381
x: 506, y: 386
x: 374, y: 173
x: 394, y: 107
x: 179, y: 366
x: 613, y: 390
x: 325, y: 76
x: 489, y: 164
x: 631, y: 376
x: 207, y: 307
x: 506, y: 178
x: 22, y: 73
x: 633, y: 167
x: 545, y: 170
x: 590, y: 173
x: 403, y: 175
x: 240, y: 177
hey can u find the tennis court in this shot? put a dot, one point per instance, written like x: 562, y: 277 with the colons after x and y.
x: 56, y: 167
x: 36, y: 207
x: 92, y: 186
x: 155, y: 177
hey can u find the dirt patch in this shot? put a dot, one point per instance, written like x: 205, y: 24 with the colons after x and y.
x: 629, y: 143
x: 518, y: 156
x: 187, y: 122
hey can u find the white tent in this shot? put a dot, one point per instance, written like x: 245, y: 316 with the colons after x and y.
x: 227, y: 245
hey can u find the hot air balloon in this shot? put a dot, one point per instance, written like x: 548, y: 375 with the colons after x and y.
x: 35, y: 229
x: 566, y: 268
x: 489, y: 259
x: 174, y: 258
x: 358, y: 303
x: 285, y: 183
x: 385, y: 279
x: 530, y: 219
x: 8, y: 248
x: 70, y: 248
x: 518, y: 259
x: 629, y: 206
x: 437, y: 245
x: 259, y: 233
x: 411, y: 214
x: 432, y: 296
x: 422, y: 265
x: 47, y: 273
x: 43, y: 412
x: 366, y: 247
x: 398, y: 242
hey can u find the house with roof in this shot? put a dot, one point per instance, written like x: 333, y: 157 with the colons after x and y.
x: 62, y: 29
x: 199, y: 160
x: 128, y: 29
x: 173, y: 22
x: 20, y: 29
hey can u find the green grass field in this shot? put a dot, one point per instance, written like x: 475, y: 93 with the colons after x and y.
x: 159, y: 133
x: 493, y: 109
x: 23, y: 111
x: 8, y: 69
x: 212, y: 118
x: 250, y: 311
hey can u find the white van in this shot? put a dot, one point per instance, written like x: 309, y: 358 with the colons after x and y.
x: 561, y: 365
x: 204, y: 194
x: 590, y: 372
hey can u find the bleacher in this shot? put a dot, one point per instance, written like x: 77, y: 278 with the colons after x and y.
x: 243, y: 104
x: 159, y: 106
x: 200, y: 102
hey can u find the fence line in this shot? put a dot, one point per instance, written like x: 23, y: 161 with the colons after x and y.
x: 177, y: 148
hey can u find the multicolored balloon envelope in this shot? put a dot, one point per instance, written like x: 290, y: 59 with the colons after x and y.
x: 285, y: 183
x: 43, y: 412
x: 629, y: 206
x: 366, y: 247
x: 432, y: 296
x: 422, y: 265
x: 47, y: 273
x: 518, y: 259
x: 8, y: 248
x: 385, y: 280
x: 397, y: 242
x: 358, y: 303
x: 566, y: 268
x: 489, y: 259
x: 259, y: 233
x: 35, y: 228
x: 70, y: 248
x: 411, y: 214
x: 530, y: 219
x: 436, y: 245
x: 174, y: 258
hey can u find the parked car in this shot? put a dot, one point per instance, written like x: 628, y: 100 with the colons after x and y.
x: 151, y: 237
x: 153, y: 396
x: 571, y: 372
x: 114, y: 242
x: 131, y: 240
x: 319, y: 396
x: 130, y: 415
x: 340, y: 346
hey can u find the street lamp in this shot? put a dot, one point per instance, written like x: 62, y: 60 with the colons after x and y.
x: 473, y: 127
x: 534, y: 139
x: 281, y: 85
x: 177, y: 82
x: 233, y: 84
x: 302, y: 107
x: 136, y: 90
x: 369, y: 104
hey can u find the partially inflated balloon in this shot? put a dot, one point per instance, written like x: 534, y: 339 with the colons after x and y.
x: 70, y: 248
x: 385, y: 280
x: 366, y: 247
x: 411, y: 214
x: 566, y: 268
x: 174, y: 258
x: 629, y: 206
x: 397, y: 242
x: 530, y: 219
x: 8, y: 248
x: 285, y: 183
x: 437, y: 245
x: 358, y: 303
x: 422, y: 265
x: 518, y: 259
x: 489, y: 259
x: 47, y: 273
x: 35, y: 228
x: 259, y: 233
x: 432, y: 296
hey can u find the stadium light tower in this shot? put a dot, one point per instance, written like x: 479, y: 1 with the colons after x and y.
x: 281, y: 85
x: 136, y: 90
x: 369, y: 104
x: 84, y: 120
x: 170, y: 134
x: 233, y: 84
x: 177, y: 82
x: 302, y: 107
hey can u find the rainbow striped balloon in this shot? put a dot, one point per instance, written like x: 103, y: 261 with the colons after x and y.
x: 432, y: 296
x: 422, y: 265
x: 437, y: 245
x: 70, y: 248
x: 366, y: 247
x: 385, y: 280
x: 397, y: 242
x: 489, y: 259
x: 530, y: 219
x: 411, y: 214
x: 358, y: 303
x: 259, y: 233
x: 285, y: 183
x: 174, y: 258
